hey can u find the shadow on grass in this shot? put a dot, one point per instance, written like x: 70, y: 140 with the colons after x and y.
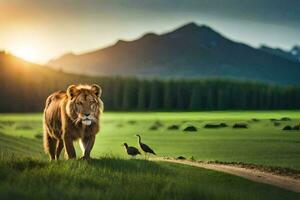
x: 20, y: 163
x: 20, y: 145
x: 131, y: 165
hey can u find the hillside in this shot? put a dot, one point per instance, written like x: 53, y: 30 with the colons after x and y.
x: 25, y: 87
x: 189, y: 51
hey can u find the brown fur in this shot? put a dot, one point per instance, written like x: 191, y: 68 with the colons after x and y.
x: 69, y: 116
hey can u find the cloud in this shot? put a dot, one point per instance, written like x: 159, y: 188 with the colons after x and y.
x: 77, y: 25
x: 268, y: 11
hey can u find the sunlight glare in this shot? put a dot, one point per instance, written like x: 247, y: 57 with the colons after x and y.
x: 26, y: 52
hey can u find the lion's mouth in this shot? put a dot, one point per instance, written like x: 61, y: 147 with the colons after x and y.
x: 87, y: 122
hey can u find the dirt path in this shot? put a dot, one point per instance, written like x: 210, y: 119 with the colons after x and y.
x: 285, y: 182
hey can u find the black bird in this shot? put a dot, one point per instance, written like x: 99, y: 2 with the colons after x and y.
x: 132, y: 151
x: 145, y: 147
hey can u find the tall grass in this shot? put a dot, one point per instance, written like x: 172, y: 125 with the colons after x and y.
x: 115, y: 178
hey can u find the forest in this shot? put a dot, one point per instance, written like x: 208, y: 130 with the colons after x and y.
x: 24, y: 88
x: 131, y: 94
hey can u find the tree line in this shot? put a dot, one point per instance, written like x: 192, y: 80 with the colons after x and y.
x: 24, y: 87
x: 131, y: 94
x: 197, y: 95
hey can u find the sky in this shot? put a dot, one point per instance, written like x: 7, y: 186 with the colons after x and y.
x: 39, y: 30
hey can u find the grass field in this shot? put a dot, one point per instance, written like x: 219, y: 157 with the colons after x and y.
x: 114, y: 177
x: 262, y: 143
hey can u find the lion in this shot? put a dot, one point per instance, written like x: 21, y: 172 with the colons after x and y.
x: 71, y: 115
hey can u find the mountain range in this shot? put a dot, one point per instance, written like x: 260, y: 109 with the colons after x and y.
x: 293, y: 54
x: 190, y: 51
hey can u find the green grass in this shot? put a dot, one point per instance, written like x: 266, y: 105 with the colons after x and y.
x: 114, y: 178
x: 262, y: 143
x: 28, y: 174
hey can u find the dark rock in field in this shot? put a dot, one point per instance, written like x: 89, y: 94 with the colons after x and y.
x: 190, y: 129
x: 281, y: 119
x: 131, y: 122
x: 173, y: 127
x: 119, y: 125
x: 38, y: 136
x: 287, y: 128
x: 285, y: 119
x: 154, y: 127
x: 255, y: 120
x: 276, y: 123
x: 296, y: 128
x: 158, y: 124
x: 240, y: 125
x: 180, y: 158
x: 221, y: 125
x: 212, y: 126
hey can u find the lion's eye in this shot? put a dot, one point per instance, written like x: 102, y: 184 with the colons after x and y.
x: 94, y: 106
x: 79, y: 103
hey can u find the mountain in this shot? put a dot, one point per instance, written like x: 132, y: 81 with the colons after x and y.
x: 293, y: 54
x: 25, y: 86
x: 189, y: 51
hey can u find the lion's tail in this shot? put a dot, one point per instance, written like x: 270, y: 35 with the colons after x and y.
x: 46, y: 136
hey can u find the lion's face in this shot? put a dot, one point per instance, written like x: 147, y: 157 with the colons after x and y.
x: 84, y: 103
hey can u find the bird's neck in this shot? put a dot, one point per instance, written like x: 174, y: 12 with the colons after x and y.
x: 140, y: 140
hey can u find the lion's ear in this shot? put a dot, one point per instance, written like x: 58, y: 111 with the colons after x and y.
x: 97, y: 90
x: 71, y: 91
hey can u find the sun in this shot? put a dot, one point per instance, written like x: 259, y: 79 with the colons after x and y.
x: 27, y: 52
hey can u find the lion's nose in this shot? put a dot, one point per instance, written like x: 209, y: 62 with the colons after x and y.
x: 87, y: 114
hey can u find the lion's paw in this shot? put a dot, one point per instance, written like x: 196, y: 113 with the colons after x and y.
x: 85, y: 158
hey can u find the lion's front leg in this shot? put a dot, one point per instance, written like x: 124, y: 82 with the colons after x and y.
x: 87, y: 145
x: 70, y: 150
x: 59, y: 147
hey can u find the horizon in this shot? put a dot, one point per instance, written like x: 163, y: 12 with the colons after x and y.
x: 41, y: 31
x: 130, y: 40
x: 133, y: 39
